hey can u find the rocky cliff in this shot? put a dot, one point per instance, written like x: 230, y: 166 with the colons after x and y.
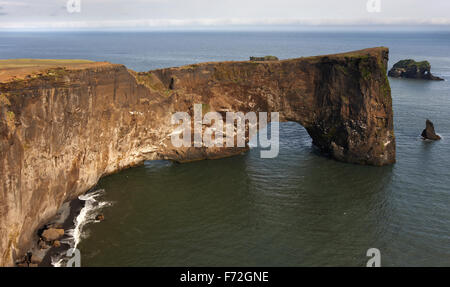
x: 413, y: 70
x: 64, y: 126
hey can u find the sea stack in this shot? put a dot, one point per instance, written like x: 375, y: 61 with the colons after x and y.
x: 413, y: 70
x: 429, y: 132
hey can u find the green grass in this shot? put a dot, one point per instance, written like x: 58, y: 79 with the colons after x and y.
x: 24, y: 63
x: 410, y: 63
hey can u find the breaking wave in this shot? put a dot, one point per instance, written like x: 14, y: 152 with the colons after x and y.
x: 87, y: 215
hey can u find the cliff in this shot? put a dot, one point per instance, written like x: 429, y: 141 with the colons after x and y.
x: 65, y: 125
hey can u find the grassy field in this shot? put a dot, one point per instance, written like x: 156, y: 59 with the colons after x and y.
x: 24, y: 63
x: 20, y: 68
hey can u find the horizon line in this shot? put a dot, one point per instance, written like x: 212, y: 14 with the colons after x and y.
x: 229, y: 23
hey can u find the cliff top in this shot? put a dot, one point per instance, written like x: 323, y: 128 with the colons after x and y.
x: 20, y: 68
x: 378, y: 52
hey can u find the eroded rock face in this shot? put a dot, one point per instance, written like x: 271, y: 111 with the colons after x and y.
x: 64, y: 128
x: 413, y: 70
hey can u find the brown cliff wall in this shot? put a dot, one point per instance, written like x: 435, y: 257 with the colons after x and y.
x: 63, y: 129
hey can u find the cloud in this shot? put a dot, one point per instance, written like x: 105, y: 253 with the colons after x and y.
x: 180, y: 14
x: 13, y: 3
x: 219, y: 22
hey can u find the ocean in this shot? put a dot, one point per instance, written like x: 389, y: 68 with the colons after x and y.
x: 299, y: 209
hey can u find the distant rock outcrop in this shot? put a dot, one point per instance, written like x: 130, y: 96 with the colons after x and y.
x: 429, y: 132
x: 413, y: 70
x: 265, y: 58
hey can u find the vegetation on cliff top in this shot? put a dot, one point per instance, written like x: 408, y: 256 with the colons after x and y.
x: 24, y: 63
x: 413, y: 70
x: 405, y: 64
x: 13, y: 69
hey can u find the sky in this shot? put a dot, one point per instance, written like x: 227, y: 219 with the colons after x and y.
x: 180, y: 14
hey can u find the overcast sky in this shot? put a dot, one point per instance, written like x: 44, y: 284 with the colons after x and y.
x: 142, y: 14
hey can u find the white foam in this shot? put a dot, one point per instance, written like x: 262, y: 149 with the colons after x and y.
x: 57, y: 262
x: 87, y: 215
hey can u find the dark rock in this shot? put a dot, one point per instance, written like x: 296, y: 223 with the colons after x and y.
x: 100, y: 217
x: 29, y: 260
x: 42, y: 244
x: 413, y: 70
x: 28, y: 257
x: 265, y: 58
x: 429, y: 132
x: 56, y: 243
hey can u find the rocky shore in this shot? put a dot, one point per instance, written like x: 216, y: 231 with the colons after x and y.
x: 53, y: 238
x: 64, y: 125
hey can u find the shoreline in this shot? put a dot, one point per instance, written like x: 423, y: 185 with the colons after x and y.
x: 73, y: 216
x: 74, y: 208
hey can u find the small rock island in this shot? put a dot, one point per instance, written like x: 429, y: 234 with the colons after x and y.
x: 413, y: 70
x: 429, y: 133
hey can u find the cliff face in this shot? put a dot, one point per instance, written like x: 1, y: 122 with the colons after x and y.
x: 63, y: 128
